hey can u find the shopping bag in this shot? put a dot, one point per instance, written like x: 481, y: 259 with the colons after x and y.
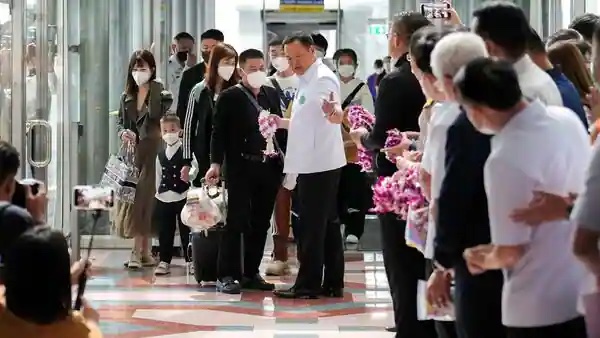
x: 205, y: 207
x: 415, y: 233
x: 121, y: 174
x: 426, y: 311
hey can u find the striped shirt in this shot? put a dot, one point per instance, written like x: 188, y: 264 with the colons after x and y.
x: 190, y: 124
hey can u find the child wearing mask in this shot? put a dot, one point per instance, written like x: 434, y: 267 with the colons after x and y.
x: 171, y: 193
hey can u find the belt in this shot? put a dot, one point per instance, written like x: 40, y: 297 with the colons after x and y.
x: 255, y: 158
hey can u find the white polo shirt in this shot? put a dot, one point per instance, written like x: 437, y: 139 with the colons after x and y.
x: 173, y: 79
x: 434, y: 156
x: 545, y: 149
x: 314, y: 144
x: 536, y: 83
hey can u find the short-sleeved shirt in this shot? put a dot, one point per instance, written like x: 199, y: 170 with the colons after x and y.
x: 545, y: 149
x: 434, y: 156
x: 536, y: 83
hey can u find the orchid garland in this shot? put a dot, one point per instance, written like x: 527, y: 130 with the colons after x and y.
x: 267, y: 125
x: 359, y: 117
x: 399, y: 193
x: 394, y: 138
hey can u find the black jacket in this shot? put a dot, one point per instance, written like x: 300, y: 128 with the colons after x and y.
x: 235, y: 125
x: 462, y: 216
x: 197, y: 127
x: 398, y: 105
x: 191, y: 77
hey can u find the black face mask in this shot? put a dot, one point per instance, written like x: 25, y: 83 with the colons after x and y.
x: 205, y: 56
x: 182, y: 56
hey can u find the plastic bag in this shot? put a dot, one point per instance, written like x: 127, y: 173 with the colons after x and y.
x: 201, y: 212
x: 416, y: 228
x: 426, y: 311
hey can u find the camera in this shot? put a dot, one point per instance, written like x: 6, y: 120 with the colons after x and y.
x: 434, y: 11
x: 20, y: 196
x: 89, y: 197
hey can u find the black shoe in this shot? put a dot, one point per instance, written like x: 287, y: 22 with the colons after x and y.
x: 390, y: 329
x: 332, y: 292
x: 257, y: 283
x: 294, y: 293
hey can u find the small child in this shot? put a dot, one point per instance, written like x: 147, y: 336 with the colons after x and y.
x: 171, y: 193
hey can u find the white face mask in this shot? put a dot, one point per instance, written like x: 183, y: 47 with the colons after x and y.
x: 346, y: 70
x: 281, y: 64
x: 378, y: 70
x: 486, y: 131
x: 171, y: 138
x: 226, y: 72
x: 140, y: 77
x: 257, y: 79
x: 319, y: 53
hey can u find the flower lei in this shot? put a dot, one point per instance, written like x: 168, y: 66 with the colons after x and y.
x: 359, y: 117
x: 267, y: 125
x: 394, y: 138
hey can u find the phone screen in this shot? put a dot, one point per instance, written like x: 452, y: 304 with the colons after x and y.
x: 88, y: 197
x: 434, y: 11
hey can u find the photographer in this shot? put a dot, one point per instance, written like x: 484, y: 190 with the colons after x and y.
x: 15, y: 219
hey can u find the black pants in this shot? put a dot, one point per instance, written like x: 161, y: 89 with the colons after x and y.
x: 167, y: 217
x: 478, y: 303
x: 321, y: 252
x: 353, y: 199
x: 444, y: 329
x: 251, y: 191
x: 404, y: 266
x: 572, y: 329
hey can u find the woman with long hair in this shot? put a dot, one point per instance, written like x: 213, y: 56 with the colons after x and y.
x: 197, y: 126
x: 572, y: 63
x: 143, y: 104
x: 36, y: 308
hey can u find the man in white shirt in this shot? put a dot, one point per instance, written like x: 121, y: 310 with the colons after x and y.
x: 183, y: 57
x: 315, y: 151
x: 534, y: 148
x: 509, y: 42
x: 286, y: 83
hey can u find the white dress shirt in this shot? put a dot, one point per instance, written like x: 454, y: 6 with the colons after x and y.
x: 314, y: 144
x: 363, y: 97
x: 174, y: 73
x: 540, y: 149
x: 536, y: 83
x: 171, y: 196
x: 434, y: 157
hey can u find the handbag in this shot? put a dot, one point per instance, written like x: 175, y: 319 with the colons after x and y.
x: 121, y: 174
x: 205, y: 208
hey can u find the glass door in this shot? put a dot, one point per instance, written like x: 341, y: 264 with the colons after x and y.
x: 33, y: 111
x: 5, y: 71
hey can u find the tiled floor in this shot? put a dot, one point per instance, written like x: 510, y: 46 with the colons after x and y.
x: 137, y: 304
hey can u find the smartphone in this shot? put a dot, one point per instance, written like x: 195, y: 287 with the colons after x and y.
x: 90, y: 197
x: 20, y: 196
x: 433, y: 11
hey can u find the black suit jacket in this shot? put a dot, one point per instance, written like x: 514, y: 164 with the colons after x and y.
x: 189, y: 79
x: 398, y: 105
x: 462, y: 210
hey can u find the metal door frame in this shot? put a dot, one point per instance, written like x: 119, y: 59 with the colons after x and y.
x: 18, y: 117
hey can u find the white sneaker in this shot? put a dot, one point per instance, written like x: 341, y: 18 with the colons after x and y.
x: 134, y: 262
x: 162, y: 269
x: 277, y: 268
x: 351, y: 239
x: 190, y: 268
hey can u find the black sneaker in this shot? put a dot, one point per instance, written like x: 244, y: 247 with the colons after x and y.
x: 228, y: 286
x: 257, y: 283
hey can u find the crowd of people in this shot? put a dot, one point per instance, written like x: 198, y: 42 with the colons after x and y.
x: 501, y: 127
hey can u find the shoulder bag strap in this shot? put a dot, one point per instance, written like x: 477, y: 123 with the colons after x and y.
x: 351, y: 96
x: 259, y: 109
x: 284, y: 100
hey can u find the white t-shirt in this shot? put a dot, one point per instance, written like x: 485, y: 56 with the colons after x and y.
x: 289, y: 86
x: 434, y: 156
x: 544, y: 149
x: 536, y: 83
x: 362, y: 98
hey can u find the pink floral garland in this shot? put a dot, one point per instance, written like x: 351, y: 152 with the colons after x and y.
x: 267, y: 125
x: 399, y: 193
x: 394, y: 138
x: 359, y: 117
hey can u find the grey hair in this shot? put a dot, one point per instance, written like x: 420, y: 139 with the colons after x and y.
x: 454, y: 51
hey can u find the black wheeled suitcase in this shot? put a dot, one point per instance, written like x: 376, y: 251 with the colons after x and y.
x: 204, y: 247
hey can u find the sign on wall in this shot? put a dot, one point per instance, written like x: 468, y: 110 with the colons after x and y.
x: 302, y: 6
